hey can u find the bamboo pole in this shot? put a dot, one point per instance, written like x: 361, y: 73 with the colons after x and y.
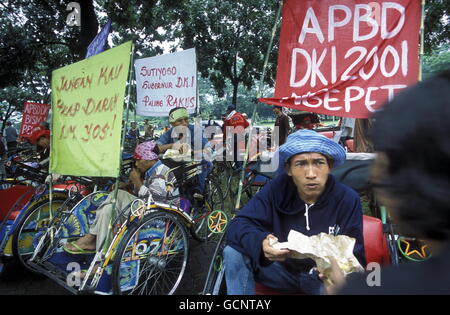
x: 116, y: 188
x: 422, y: 39
x: 258, y: 95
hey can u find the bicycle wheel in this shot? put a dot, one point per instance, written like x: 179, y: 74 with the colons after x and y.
x: 250, y: 188
x: 215, y: 280
x: 35, y: 219
x: 152, y: 256
x: 214, y: 201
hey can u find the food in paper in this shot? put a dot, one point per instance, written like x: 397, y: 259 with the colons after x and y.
x: 320, y: 247
x: 175, y: 155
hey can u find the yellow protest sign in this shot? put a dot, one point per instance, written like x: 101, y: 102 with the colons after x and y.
x: 87, y: 108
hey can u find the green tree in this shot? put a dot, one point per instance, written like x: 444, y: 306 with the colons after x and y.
x: 436, y: 61
x: 148, y: 23
x: 437, y: 26
x: 231, y: 39
x: 35, y: 40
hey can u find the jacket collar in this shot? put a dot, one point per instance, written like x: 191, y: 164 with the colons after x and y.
x: 290, y: 202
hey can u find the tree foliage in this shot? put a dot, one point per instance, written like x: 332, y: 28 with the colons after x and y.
x: 35, y: 40
x: 437, y: 24
x: 230, y: 37
x: 147, y: 23
x: 438, y: 60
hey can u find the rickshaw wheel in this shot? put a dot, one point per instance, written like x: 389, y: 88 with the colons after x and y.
x: 27, y: 228
x: 215, y: 279
x: 152, y: 256
x: 214, y: 197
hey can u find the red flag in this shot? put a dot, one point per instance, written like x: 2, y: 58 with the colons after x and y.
x: 346, y: 58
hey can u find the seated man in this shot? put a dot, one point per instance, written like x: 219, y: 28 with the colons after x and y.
x: 41, y: 138
x: 187, y: 135
x: 234, y: 124
x: 303, y: 197
x: 147, y: 177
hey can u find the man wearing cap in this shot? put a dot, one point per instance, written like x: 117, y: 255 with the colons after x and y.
x: 303, y: 197
x: 235, y: 123
x: 147, y: 177
x: 183, y: 136
x: 41, y: 138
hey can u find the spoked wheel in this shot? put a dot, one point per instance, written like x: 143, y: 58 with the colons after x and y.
x: 222, y: 174
x: 35, y: 220
x: 205, y: 227
x: 215, y: 280
x: 250, y: 188
x: 152, y: 256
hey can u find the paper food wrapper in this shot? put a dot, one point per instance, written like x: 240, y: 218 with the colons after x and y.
x: 320, y: 247
x: 175, y: 155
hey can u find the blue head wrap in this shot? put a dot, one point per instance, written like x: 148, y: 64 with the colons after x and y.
x: 307, y: 141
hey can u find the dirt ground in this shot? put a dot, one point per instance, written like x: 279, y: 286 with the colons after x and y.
x: 16, y: 281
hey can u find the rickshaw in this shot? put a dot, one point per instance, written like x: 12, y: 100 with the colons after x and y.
x: 30, y: 209
x: 27, y: 206
x: 148, y: 250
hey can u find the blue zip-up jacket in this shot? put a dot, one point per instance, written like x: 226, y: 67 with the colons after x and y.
x: 277, y: 209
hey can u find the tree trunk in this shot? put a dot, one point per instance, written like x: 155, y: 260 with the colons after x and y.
x: 5, y: 118
x: 235, y: 81
x: 89, y: 27
x: 235, y: 92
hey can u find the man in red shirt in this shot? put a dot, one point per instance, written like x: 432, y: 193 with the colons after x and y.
x: 234, y: 125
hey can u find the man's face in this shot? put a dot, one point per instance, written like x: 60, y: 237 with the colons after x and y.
x: 309, y: 172
x: 276, y: 111
x: 182, y: 121
x: 43, y: 142
x: 133, y: 125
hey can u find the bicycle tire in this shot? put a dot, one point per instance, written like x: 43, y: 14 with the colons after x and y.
x: 19, y: 236
x: 215, y: 271
x: 162, y: 255
x: 215, y: 200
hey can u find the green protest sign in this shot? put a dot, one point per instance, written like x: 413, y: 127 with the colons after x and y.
x: 87, y: 108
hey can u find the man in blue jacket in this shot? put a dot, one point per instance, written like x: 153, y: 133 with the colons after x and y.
x: 304, y: 197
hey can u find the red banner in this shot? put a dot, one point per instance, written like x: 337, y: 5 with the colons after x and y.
x: 346, y: 58
x: 33, y: 114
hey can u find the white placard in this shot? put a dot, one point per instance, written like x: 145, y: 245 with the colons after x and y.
x: 165, y: 82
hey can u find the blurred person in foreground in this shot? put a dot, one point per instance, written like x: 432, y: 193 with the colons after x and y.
x: 412, y: 175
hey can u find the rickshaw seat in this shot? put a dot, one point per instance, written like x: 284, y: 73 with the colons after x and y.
x: 9, y: 197
x: 374, y: 244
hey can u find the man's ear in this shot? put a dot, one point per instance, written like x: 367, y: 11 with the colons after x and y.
x: 287, y: 169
